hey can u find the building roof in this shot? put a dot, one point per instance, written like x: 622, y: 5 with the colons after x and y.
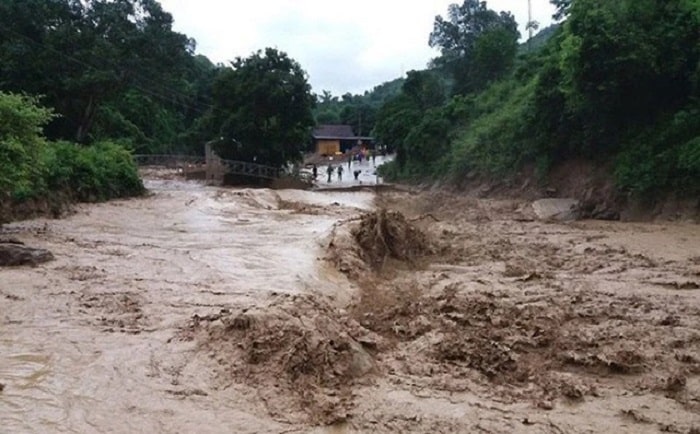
x: 337, y: 132
x: 334, y: 132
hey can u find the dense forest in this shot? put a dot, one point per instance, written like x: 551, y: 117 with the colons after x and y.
x: 109, y: 69
x: 616, y: 84
x: 86, y: 83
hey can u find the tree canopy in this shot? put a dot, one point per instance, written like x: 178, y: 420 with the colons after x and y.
x: 616, y: 81
x: 262, y: 109
x: 477, y: 44
x: 358, y: 111
x: 563, y: 7
x: 104, y: 66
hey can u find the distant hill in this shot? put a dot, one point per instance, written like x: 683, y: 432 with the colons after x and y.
x: 358, y: 111
x: 385, y: 91
x: 539, y: 39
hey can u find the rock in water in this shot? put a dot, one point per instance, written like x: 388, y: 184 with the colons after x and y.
x: 15, y: 254
x: 557, y: 209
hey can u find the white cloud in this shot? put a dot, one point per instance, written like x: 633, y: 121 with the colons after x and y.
x: 344, y: 46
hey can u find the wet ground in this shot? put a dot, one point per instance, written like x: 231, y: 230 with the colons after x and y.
x: 199, y: 309
x: 366, y: 173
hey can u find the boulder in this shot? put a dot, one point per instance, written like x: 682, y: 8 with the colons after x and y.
x: 13, y: 254
x: 557, y: 209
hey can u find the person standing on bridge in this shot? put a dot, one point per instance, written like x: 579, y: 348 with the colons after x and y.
x: 314, y: 172
x: 329, y: 171
x: 340, y: 172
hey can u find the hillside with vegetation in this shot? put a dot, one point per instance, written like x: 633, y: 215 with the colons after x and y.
x: 617, y: 84
x: 614, y: 84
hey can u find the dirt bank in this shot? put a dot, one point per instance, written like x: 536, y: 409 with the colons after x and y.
x: 592, y: 184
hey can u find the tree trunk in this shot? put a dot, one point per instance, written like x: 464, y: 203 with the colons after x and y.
x: 86, y: 121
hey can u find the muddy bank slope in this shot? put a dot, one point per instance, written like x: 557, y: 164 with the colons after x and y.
x: 592, y: 185
x: 507, y: 324
x: 473, y: 316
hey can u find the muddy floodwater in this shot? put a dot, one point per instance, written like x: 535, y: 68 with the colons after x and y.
x: 86, y: 341
x: 209, y: 310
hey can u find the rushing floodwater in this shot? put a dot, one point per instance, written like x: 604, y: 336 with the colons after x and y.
x: 86, y: 343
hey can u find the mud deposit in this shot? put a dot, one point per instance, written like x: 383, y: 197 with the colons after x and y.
x: 200, y: 309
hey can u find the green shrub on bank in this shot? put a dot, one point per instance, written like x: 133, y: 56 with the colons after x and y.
x: 21, y: 143
x: 483, y: 133
x: 665, y: 157
x: 32, y: 169
x: 96, y: 173
x: 493, y: 141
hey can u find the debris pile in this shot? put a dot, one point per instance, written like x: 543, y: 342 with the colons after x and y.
x: 388, y: 234
x: 300, y: 348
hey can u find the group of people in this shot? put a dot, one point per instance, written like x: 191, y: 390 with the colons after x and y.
x: 339, y: 170
x: 330, y: 169
x: 358, y: 156
x: 364, y: 154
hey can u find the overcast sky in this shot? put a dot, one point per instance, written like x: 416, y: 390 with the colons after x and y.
x: 344, y: 46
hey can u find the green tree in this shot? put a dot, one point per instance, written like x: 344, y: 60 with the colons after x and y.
x: 410, y: 123
x: 83, y: 55
x: 358, y: 111
x: 425, y: 88
x: 395, y: 120
x: 262, y: 109
x: 625, y: 63
x: 563, y: 7
x: 477, y: 44
x: 360, y: 115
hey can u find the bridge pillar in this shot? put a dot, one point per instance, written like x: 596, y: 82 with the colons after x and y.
x: 215, y: 168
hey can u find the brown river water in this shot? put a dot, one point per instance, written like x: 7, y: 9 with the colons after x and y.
x: 86, y: 341
x: 209, y: 310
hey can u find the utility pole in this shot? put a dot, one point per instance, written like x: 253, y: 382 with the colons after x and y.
x: 529, y: 17
x: 531, y: 25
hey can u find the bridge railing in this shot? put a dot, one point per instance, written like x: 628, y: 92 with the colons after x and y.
x: 168, y: 160
x: 252, y: 169
x: 193, y: 163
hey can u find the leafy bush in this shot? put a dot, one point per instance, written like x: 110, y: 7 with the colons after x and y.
x: 33, y: 169
x: 666, y: 157
x: 96, y: 173
x: 21, y: 142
